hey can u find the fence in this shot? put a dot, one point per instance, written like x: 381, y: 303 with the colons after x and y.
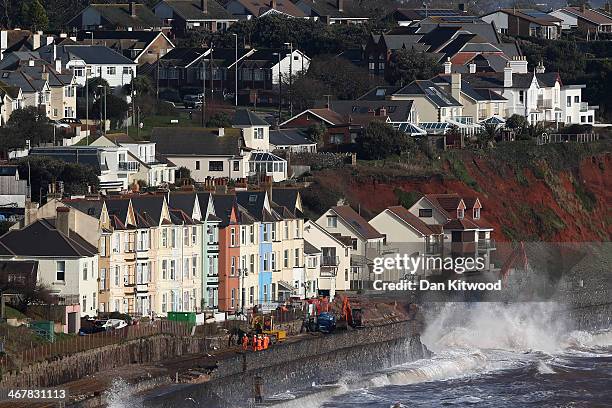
x: 82, y: 343
x: 566, y: 138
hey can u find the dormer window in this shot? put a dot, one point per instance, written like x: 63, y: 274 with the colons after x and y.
x: 332, y: 221
x: 259, y: 133
x: 460, y: 213
x: 476, y: 213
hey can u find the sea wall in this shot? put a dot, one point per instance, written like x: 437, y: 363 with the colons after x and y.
x: 318, y: 358
x: 80, y: 365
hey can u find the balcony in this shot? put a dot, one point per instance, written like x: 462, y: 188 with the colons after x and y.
x: 545, y: 103
x: 464, y: 120
x: 486, y: 244
x: 142, y: 287
x: 129, y: 166
x: 329, y: 261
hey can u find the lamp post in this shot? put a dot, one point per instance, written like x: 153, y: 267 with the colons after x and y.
x: 280, y: 82
x: 104, y: 127
x: 203, y: 90
x: 90, y: 32
x: 236, y: 70
x: 87, y: 105
x: 290, y: 78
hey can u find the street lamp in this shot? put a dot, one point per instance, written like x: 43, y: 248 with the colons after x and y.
x: 236, y: 70
x: 90, y: 32
x: 104, y: 127
x: 242, y: 273
x: 290, y: 78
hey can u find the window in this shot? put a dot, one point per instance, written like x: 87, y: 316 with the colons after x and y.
x: 194, y: 235
x: 569, y: 102
x: 265, y: 293
x: 232, y: 236
x: 78, y: 71
x: 236, y: 165
x: 273, y: 261
x: 186, y: 268
x: 251, y: 295
x: 286, y: 229
x: 460, y: 213
x: 233, y: 267
x: 85, y: 271
x: 164, y: 302
x: 60, y: 270
x: 332, y: 221
x: 476, y: 213
x: 103, y: 246
x: 297, y: 257
x: 102, y: 278
x: 259, y: 133
x: 233, y: 298
x: 197, y: 165
x: 186, y: 236
x: 425, y: 213
x: 252, y: 263
x: 312, y: 261
x: 172, y: 269
x: 164, y: 237
x: 286, y: 258
x: 252, y: 234
x: 522, y: 96
x: 69, y: 91
x: 273, y: 231
x: 354, y: 243
x: 127, y: 71
x: 186, y: 300
x: 84, y: 302
x: 265, y: 261
x: 266, y: 233
x: 243, y: 240
x: 117, y: 273
x: 111, y: 70
x: 576, y: 99
x: 194, y: 265
x: 215, y: 165
x: 297, y: 229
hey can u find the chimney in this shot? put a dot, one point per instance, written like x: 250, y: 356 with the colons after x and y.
x: 204, y: 6
x: 36, y: 40
x: 448, y: 65
x: 58, y: 66
x: 583, y: 8
x: 472, y: 68
x: 221, y: 132
x: 133, y: 8
x: 508, y: 76
x: 456, y: 86
x: 461, y: 7
x: 54, y: 51
x: 540, y: 69
x: 382, y: 111
x: 340, y: 5
x: 519, y: 65
x: 45, y: 73
x: 63, y: 220
x: 30, y: 62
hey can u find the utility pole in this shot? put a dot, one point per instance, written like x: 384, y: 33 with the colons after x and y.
x: 236, y: 70
x: 290, y: 78
x: 87, y: 105
x: 203, y: 90
x: 157, y: 77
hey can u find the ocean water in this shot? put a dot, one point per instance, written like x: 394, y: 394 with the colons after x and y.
x: 490, y: 355
x: 483, y: 355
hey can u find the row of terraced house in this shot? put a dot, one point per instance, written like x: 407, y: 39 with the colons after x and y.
x: 226, y: 251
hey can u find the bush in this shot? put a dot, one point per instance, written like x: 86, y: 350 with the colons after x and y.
x: 380, y: 140
x: 170, y: 95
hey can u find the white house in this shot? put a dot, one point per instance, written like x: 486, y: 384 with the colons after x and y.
x: 67, y: 263
x: 335, y: 260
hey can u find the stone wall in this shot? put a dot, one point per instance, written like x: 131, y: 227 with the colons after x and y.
x: 319, y: 358
x: 80, y: 365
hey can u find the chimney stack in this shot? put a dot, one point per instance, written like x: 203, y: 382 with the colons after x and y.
x: 540, y: 69
x: 448, y: 65
x: 62, y: 220
x: 58, y: 66
x: 133, y: 8
x: 508, y: 76
x: 36, y: 40
x: 221, y: 132
x: 204, y: 6
x: 340, y: 5
x: 472, y: 68
x: 456, y: 86
x: 273, y: 4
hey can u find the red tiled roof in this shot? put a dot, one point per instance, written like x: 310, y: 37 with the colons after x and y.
x: 329, y: 115
x: 357, y: 222
x: 414, y: 221
x: 593, y: 16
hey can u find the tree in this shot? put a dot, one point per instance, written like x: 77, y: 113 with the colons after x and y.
x: 380, y: 140
x: 142, y: 85
x: 407, y: 65
x: 96, y: 86
x: 487, y: 135
x: 316, y: 132
x: 219, y: 120
x: 116, y: 108
x: 37, y: 16
x: 27, y: 123
x: 42, y: 171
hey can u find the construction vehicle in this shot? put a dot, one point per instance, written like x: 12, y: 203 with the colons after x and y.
x: 326, y: 322
x: 265, y: 324
x: 350, y: 315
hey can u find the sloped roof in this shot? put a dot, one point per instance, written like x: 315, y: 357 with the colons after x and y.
x: 259, y: 7
x: 396, y: 110
x: 196, y: 142
x: 223, y: 207
x: 117, y: 210
x: 119, y: 15
x: 289, y: 137
x: 246, y: 117
x: 181, y: 200
x: 56, y: 244
x: 287, y: 197
x: 92, y: 208
x: 191, y: 10
x: 254, y: 203
x: 87, y: 156
x: 356, y: 221
x: 431, y: 91
x: 148, y: 208
x: 310, y: 249
x: 350, y: 9
x: 91, y: 54
x: 531, y: 15
x: 379, y: 93
x: 412, y: 220
x: 593, y: 16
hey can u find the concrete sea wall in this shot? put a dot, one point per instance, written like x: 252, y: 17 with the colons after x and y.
x: 320, y: 359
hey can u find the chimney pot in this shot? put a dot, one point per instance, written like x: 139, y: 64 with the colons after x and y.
x: 273, y: 4
x: 133, y: 8
x: 204, y: 6
x: 340, y: 5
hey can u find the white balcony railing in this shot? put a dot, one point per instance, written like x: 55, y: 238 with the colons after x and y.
x: 129, y: 166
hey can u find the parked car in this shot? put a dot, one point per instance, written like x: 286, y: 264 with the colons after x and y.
x: 111, y: 324
x: 70, y: 121
x: 192, y: 101
x: 91, y: 330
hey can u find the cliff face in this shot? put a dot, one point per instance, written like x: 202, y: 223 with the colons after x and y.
x: 557, y: 193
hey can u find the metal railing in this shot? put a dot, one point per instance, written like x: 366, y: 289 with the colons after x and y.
x: 129, y: 166
x: 545, y: 103
x: 327, y: 260
x: 486, y: 243
x: 465, y: 120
